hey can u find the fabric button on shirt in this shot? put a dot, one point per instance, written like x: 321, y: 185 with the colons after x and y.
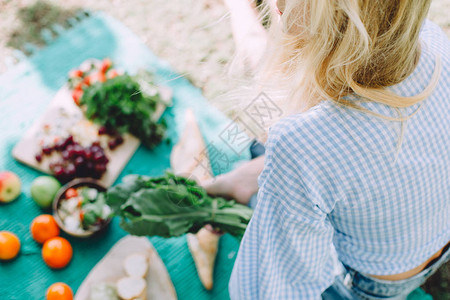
x: 338, y: 176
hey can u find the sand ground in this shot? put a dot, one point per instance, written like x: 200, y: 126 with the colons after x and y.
x: 193, y: 35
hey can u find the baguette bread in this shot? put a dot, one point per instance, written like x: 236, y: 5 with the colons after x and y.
x: 203, y: 247
x: 136, y: 265
x: 132, y: 288
x: 190, y: 157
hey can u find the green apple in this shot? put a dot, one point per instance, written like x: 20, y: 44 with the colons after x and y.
x: 44, y: 189
x: 9, y: 186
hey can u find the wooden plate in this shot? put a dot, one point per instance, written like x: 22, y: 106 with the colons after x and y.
x: 110, y: 269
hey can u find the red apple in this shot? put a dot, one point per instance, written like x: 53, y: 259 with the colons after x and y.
x: 9, y: 186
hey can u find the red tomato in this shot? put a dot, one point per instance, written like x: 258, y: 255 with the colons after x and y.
x: 106, y: 64
x: 76, y: 95
x: 113, y: 73
x: 79, y: 86
x: 75, y: 74
x: 101, y: 77
x: 87, y: 80
x: 70, y: 193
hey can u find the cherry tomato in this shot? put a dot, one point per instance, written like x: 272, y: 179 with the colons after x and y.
x: 75, y: 74
x: 106, y: 64
x: 76, y: 95
x: 87, y: 80
x: 70, y: 193
x: 113, y: 73
x: 79, y: 86
x: 101, y: 77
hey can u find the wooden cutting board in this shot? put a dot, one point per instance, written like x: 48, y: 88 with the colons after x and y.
x: 110, y: 269
x: 63, y: 105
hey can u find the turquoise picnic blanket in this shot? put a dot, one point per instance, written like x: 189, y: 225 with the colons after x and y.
x: 25, y: 92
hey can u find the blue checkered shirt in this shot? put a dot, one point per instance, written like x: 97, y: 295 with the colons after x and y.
x: 336, y: 176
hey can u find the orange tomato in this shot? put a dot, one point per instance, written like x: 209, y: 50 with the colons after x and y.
x: 59, y: 291
x: 9, y: 245
x: 44, y: 227
x: 57, y: 252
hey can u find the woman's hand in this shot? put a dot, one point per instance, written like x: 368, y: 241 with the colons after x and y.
x: 239, y: 184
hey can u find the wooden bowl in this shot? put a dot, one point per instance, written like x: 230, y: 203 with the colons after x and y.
x: 60, y: 195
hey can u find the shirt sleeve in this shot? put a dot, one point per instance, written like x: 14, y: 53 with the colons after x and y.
x: 285, y: 252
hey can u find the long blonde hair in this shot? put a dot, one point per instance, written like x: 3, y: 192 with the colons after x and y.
x: 328, y: 49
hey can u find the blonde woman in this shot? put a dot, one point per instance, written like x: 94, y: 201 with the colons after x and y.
x: 359, y: 163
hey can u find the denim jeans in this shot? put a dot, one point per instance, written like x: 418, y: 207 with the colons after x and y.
x: 354, y: 285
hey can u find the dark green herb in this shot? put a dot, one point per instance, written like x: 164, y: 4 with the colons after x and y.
x: 171, y: 206
x: 126, y: 104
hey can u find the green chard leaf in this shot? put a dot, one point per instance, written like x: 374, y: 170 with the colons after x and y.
x: 171, y: 206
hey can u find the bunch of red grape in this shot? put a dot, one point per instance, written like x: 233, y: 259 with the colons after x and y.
x: 76, y: 160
